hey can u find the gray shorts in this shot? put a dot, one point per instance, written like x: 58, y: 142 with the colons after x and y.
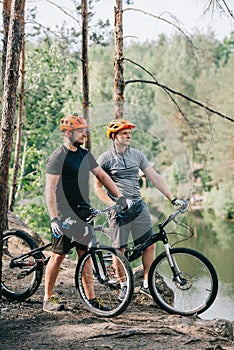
x: 136, y: 221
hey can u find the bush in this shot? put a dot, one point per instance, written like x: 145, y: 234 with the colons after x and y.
x: 221, y: 200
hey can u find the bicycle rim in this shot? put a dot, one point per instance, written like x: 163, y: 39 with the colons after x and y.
x: 103, y: 280
x: 16, y: 284
x: 198, y: 290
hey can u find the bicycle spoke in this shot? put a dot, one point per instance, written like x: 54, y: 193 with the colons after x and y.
x: 20, y: 277
x: 99, y: 277
x: 193, y: 292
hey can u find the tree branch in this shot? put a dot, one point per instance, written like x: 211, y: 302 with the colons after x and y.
x: 162, y: 19
x: 217, y: 3
x: 167, y: 92
x: 181, y: 95
x: 228, y: 9
x: 64, y: 11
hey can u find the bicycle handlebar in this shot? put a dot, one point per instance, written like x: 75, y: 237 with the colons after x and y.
x: 95, y: 212
x: 181, y: 209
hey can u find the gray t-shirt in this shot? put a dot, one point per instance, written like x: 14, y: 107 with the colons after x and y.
x: 123, y: 168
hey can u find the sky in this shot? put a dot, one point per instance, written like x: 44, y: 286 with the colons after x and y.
x: 141, y: 27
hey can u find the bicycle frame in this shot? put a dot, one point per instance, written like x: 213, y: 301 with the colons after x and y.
x: 130, y: 253
x: 18, y: 261
x: 134, y: 253
x: 15, y: 262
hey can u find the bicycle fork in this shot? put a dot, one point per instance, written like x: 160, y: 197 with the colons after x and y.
x: 177, y: 274
x: 96, y: 269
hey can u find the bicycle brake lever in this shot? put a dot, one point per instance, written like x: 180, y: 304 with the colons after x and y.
x: 93, y: 214
x: 184, y: 207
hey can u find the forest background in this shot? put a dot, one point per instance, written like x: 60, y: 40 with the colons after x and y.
x: 190, y: 146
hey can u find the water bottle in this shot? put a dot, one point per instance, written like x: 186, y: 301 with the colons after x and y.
x: 68, y: 223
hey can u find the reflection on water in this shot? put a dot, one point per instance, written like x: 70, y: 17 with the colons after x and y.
x: 215, y: 239
x: 223, y: 306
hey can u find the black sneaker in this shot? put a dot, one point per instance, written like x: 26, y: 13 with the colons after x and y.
x: 122, y: 293
x: 97, y: 303
x: 51, y: 305
x: 145, y: 291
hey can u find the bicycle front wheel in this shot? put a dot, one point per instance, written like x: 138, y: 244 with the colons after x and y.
x: 20, y: 275
x: 194, y: 291
x: 98, y: 275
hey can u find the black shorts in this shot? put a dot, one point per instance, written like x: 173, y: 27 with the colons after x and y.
x: 79, y: 231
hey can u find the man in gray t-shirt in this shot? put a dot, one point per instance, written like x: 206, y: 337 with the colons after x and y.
x: 122, y: 164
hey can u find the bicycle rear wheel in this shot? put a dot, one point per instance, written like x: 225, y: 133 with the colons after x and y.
x: 196, y: 291
x: 100, y: 266
x: 21, y: 277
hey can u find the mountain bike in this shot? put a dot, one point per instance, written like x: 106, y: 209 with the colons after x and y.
x: 23, y: 266
x: 181, y: 280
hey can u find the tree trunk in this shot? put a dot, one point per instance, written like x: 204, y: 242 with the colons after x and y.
x: 8, y: 108
x: 6, y: 19
x: 16, y: 165
x: 22, y: 165
x: 118, y: 62
x: 85, y: 66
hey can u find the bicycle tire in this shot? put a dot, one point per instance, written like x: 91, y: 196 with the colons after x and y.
x: 199, y: 290
x: 16, y: 285
x: 107, y: 287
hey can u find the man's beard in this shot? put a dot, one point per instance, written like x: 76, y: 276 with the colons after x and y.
x: 75, y: 142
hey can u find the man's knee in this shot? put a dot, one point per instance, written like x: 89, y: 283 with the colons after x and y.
x: 150, y: 250
x: 57, y: 259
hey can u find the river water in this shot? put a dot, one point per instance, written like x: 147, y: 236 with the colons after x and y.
x: 214, y: 238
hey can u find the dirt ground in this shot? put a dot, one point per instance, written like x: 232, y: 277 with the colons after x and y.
x: 24, y: 326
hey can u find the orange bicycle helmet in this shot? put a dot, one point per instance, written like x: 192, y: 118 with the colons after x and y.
x: 72, y: 122
x: 117, y: 125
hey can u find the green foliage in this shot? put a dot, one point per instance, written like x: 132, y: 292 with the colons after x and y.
x: 220, y: 199
x: 173, y: 142
x: 35, y: 216
x: 47, y: 89
x: 225, y: 49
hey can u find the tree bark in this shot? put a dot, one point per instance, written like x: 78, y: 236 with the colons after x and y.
x: 16, y: 166
x: 14, y: 44
x: 85, y: 66
x: 119, y: 62
x: 6, y: 19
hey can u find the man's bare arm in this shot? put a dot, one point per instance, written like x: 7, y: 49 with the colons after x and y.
x: 158, y: 181
x: 103, y: 179
x: 50, y: 196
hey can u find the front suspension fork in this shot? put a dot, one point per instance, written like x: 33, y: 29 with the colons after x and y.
x: 177, y: 274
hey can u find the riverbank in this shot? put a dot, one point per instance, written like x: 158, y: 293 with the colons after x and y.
x: 24, y: 326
